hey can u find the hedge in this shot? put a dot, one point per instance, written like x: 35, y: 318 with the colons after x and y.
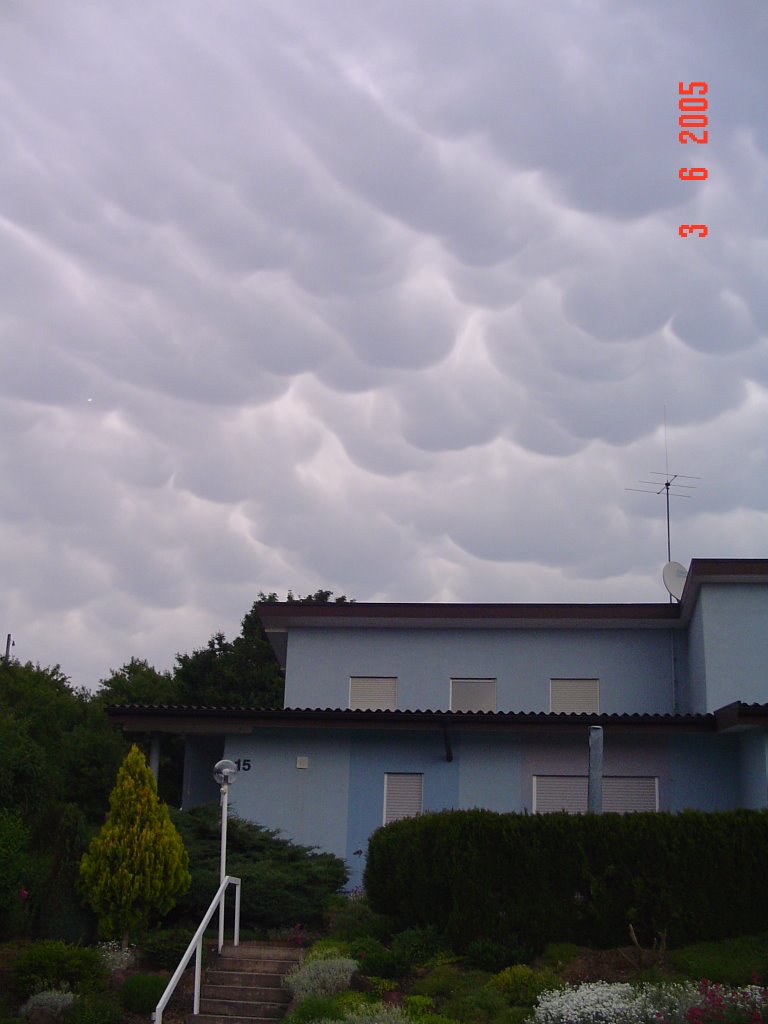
x: 525, y: 880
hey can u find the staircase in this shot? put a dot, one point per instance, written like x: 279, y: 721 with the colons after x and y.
x: 244, y: 985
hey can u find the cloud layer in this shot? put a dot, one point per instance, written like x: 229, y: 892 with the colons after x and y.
x: 385, y: 298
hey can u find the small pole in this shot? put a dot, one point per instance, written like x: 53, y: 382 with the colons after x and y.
x: 595, y: 781
x: 223, y: 860
x: 8, y: 644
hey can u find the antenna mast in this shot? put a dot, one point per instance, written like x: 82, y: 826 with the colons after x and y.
x: 668, y: 484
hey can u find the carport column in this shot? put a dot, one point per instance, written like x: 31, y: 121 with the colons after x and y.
x: 595, y: 782
x: 154, y: 754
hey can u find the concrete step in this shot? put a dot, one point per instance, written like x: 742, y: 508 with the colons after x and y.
x: 264, y: 951
x: 242, y: 1008
x: 217, y: 989
x: 267, y: 983
x: 226, y: 1018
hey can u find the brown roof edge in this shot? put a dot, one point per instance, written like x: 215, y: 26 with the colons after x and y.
x: 144, y: 718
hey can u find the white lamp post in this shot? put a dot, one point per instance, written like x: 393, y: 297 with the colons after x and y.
x: 224, y: 773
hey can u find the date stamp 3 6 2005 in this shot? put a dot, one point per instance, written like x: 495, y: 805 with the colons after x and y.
x: 693, y: 105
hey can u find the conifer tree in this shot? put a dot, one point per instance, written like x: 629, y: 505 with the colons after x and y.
x: 137, y: 865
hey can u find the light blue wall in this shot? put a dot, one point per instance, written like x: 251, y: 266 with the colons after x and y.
x: 309, y: 804
x: 734, y: 621
x: 754, y: 769
x: 634, y: 666
x: 704, y: 772
x: 372, y: 754
x: 490, y: 771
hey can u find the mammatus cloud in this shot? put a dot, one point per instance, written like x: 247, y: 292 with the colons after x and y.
x: 380, y: 298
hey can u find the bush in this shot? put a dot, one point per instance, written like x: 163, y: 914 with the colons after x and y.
x: 315, y: 1008
x: 486, y: 955
x: 53, y: 964
x: 732, y: 961
x: 320, y: 978
x: 372, y: 956
x: 328, y: 949
x: 282, y: 882
x: 414, y: 947
x: 693, y: 875
x: 521, y: 985
x: 376, y: 1013
x: 354, y: 919
x: 96, y: 1008
x: 417, y: 1007
x: 141, y: 993
x: 447, y: 980
x: 602, y: 1003
x: 163, y: 948
x: 55, y: 1001
x: 558, y: 955
x: 484, y: 1005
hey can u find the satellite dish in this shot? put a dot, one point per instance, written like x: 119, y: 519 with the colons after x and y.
x: 674, y: 577
x: 224, y: 772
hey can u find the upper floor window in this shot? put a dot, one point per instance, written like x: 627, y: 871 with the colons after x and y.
x: 403, y: 795
x: 373, y: 693
x: 473, y: 694
x: 574, y: 696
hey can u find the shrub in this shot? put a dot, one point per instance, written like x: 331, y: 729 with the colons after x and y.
x: 694, y: 875
x: 445, y: 981
x: 320, y: 978
x: 354, y: 919
x: 315, y: 1008
x: 51, y: 964
x: 558, y: 955
x: 731, y: 961
x: 372, y: 956
x: 141, y: 993
x: 55, y: 1001
x: 416, y: 1007
x: 114, y: 957
x: 602, y: 1003
x: 521, y: 985
x: 376, y: 1013
x: 487, y: 955
x: 483, y: 1005
x: 328, y: 949
x: 95, y: 1008
x: 414, y: 947
x: 163, y: 948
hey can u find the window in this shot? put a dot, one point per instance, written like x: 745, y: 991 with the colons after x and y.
x: 473, y: 695
x: 403, y: 795
x: 373, y: 693
x: 574, y: 696
x: 622, y: 793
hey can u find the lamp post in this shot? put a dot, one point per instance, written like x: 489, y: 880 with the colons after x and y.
x: 224, y: 773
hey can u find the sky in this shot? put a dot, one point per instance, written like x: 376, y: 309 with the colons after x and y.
x: 385, y: 298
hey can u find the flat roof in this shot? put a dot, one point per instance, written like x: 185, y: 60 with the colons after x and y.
x: 278, y: 618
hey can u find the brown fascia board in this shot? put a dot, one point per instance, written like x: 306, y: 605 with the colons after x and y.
x: 189, y: 720
x: 740, y: 716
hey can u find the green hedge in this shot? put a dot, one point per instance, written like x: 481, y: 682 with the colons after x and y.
x: 525, y: 880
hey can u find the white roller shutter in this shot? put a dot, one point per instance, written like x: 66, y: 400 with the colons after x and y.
x: 403, y: 795
x: 575, y: 696
x: 623, y: 794
x: 473, y: 695
x: 373, y: 693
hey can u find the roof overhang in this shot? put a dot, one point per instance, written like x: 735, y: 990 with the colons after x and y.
x: 142, y: 718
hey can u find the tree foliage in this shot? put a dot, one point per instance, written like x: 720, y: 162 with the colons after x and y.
x: 136, y: 866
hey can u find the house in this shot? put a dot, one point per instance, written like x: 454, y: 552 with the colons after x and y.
x: 395, y: 709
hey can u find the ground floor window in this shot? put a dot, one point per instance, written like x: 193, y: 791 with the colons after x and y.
x: 403, y: 795
x: 622, y: 793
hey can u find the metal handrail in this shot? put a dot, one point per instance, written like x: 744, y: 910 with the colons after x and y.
x: 197, y: 945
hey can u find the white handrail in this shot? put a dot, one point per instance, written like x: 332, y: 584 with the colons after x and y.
x: 196, y: 945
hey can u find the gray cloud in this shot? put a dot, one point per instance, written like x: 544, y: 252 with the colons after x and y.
x: 386, y: 298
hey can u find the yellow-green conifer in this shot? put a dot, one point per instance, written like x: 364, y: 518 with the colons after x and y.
x: 136, y: 867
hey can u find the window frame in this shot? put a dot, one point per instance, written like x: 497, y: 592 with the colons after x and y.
x: 474, y: 679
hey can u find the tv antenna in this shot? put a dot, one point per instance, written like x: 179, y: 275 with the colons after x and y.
x: 669, y: 484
